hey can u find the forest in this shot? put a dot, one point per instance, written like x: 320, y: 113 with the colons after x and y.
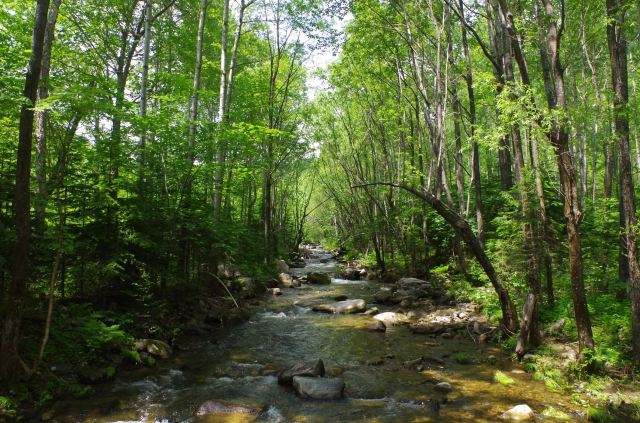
x: 184, y: 182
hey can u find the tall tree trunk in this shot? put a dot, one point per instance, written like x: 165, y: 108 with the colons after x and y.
x: 555, y: 91
x: 41, y: 119
x: 9, y: 344
x: 191, y: 139
x: 222, y: 113
x: 475, y: 158
x: 544, y: 222
x: 502, y: 53
x: 144, y: 89
x: 620, y: 82
x: 529, y: 333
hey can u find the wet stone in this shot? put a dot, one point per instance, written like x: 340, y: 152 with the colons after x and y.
x: 342, y: 307
x: 232, y: 412
x: 312, y: 369
x: 519, y: 413
x: 318, y: 388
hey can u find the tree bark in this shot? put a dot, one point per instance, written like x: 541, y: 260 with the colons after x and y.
x: 475, y: 158
x: 617, y: 43
x: 42, y: 118
x: 222, y: 113
x: 144, y: 89
x: 555, y: 91
x: 185, y: 202
x: 10, y: 362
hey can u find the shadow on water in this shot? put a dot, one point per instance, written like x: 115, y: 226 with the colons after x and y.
x: 240, y: 367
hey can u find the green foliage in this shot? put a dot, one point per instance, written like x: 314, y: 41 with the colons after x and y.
x: 7, y: 408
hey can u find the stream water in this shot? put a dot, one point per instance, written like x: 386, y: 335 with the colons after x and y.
x: 238, y: 367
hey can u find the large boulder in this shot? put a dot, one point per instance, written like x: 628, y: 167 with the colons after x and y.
x: 249, y: 287
x: 228, y: 412
x: 282, y: 266
x: 519, y: 413
x: 342, y: 307
x: 390, y: 318
x: 318, y: 388
x: 287, y: 280
x: 318, y: 278
x: 312, y: 369
x: 154, y: 347
x: 386, y: 296
x: 351, y: 273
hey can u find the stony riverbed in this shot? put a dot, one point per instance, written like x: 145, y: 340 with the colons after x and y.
x: 417, y: 362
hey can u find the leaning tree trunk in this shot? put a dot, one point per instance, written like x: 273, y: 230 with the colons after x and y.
x: 10, y: 361
x: 462, y: 229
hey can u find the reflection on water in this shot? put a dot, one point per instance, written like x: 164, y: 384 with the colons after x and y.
x: 239, y: 367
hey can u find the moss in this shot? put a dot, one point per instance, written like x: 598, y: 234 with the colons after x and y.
x: 555, y: 414
x: 599, y: 415
x: 502, y: 378
x: 462, y: 357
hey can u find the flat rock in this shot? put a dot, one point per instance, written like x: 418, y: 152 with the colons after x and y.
x: 390, y: 318
x: 228, y: 412
x: 315, y: 368
x: 519, y: 413
x: 319, y: 388
x: 342, y: 307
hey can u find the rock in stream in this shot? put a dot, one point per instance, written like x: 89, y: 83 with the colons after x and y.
x: 342, y: 307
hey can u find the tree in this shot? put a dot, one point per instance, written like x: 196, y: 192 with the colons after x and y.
x: 617, y: 42
x: 9, y: 344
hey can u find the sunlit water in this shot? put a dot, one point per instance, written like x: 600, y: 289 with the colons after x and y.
x: 238, y: 366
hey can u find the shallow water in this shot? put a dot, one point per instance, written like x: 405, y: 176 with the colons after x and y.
x: 238, y: 367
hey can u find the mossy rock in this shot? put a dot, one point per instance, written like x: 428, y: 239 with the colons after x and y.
x: 503, y: 379
x: 554, y: 414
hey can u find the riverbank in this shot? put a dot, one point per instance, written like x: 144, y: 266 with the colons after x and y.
x: 601, y: 383
x: 398, y: 374
x: 96, y: 340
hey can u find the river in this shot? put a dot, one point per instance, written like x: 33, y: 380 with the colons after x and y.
x: 238, y: 366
